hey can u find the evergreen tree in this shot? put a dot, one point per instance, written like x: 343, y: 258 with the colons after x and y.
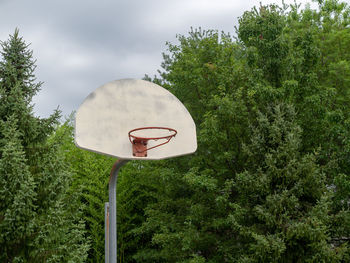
x: 281, y: 213
x: 17, y: 196
x: 39, y: 221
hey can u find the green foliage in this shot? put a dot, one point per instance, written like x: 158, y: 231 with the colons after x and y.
x: 269, y: 182
x: 39, y: 219
x: 90, y: 174
x: 270, y: 179
x: 17, y: 191
x: 267, y: 49
x: 285, y: 195
x: 136, y: 188
x: 202, y: 65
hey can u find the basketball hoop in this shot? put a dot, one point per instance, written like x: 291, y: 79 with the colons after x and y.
x: 139, y: 143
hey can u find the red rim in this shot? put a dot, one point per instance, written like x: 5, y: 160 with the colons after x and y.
x: 151, y: 138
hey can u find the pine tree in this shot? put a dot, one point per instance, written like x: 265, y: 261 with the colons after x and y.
x: 39, y: 221
x: 17, y: 196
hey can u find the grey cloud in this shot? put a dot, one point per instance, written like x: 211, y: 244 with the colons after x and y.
x: 80, y: 45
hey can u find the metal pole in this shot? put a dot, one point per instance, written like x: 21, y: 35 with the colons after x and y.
x: 113, y: 211
x: 106, y: 232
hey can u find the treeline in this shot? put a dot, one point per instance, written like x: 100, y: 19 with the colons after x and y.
x: 270, y: 181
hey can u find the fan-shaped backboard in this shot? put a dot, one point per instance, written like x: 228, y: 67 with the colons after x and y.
x: 106, y: 116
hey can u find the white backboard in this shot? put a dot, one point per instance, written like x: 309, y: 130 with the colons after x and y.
x: 106, y: 116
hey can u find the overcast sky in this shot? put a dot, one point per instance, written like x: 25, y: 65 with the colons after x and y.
x: 80, y: 45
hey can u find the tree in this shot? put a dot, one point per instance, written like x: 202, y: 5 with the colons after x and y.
x: 18, y: 195
x: 39, y: 220
x: 90, y: 174
x: 269, y: 180
x: 282, y: 209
